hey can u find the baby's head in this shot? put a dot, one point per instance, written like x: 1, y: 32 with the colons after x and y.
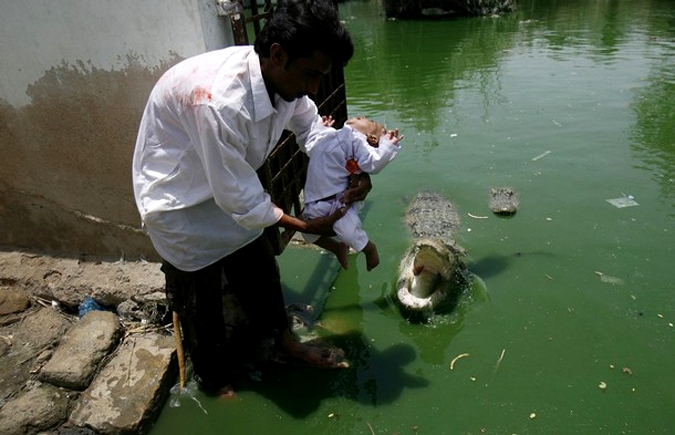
x: 371, y: 129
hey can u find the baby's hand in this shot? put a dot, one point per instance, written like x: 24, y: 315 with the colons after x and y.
x: 393, y: 137
x: 327, y: 121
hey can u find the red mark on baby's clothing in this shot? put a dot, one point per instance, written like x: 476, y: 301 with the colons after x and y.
x: 352, y: 166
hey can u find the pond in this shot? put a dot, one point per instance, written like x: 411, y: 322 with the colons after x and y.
x: 571, y: 103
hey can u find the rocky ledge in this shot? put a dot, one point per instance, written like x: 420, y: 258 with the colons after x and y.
x: 85, y: 346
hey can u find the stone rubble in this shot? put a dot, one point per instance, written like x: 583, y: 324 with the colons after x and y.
x: 74, y: 363
x: 131, y: 387
x: 105, y: 373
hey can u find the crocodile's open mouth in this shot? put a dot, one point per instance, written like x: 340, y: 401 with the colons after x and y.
x: 430, y: 268
x: 427, y: 272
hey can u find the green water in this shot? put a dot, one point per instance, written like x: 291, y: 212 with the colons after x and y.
x: 570, y: 103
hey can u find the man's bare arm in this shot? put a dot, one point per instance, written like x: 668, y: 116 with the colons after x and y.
x: 359, y: 187
x: 321, y: 225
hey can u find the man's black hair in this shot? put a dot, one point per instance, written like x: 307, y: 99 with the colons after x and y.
x: 304, y: 26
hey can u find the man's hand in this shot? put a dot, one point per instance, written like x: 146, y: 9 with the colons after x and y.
x: 324, y: 225
x: 359, y: 187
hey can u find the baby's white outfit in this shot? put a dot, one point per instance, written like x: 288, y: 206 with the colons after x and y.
x: 329, y: 151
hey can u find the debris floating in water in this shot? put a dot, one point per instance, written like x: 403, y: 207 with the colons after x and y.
x: 624, y: 201
x: 609, y: 279
x: 544, y: 154
x: 457, y: 358
x: 499, y: 361
x: 476, y: 217
x: 602, y: 386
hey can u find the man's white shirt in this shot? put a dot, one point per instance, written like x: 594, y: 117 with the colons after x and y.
x: 208, y: 126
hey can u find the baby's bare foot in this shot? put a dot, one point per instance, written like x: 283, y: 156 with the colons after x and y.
x: 372, y: 263
x: 372, y: 257
x: 341, y: 255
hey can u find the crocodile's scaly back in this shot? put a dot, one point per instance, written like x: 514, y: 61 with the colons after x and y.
x: 432, y: 216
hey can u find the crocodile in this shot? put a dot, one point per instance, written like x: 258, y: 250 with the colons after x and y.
x: 432, y: 272
x: 503, y: 201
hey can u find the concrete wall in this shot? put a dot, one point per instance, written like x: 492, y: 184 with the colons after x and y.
x: 74, y: 78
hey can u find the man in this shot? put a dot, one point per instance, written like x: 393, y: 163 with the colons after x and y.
x: 209, y: 124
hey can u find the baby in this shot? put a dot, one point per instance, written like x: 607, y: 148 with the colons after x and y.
x: 361, y: 145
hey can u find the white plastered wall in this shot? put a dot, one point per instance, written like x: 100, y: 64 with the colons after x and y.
x: 74, y: 76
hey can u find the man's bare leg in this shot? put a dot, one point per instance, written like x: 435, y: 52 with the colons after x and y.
x: 314, y: 355
x: 372, y: 257
x: 336, y: 247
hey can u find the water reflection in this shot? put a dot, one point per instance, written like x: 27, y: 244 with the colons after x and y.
x: 654, y: 131
x: 418, y: 69
x: 653, y: 134
x: 419, y: 64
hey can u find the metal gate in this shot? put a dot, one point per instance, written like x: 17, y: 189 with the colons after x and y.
x: 283, y: 174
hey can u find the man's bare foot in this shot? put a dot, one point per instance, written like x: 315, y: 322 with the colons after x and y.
x: 317, y: 356
x: 227, y: 392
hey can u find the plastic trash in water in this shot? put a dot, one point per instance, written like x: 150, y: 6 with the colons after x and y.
x: 624, y: 201
x: 609, y: 279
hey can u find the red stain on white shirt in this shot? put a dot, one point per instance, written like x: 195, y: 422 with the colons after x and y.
x: 200, y: 96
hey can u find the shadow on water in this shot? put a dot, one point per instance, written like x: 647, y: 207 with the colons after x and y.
x: 491, y: 265
x: 376, y: 375
x: 433, y: 333
x: 374, y: 378
x: 495, y: 264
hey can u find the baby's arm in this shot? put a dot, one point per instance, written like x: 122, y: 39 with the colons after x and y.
x: 393, y: 137
x: 327, y: 121
x: 373, y: 159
